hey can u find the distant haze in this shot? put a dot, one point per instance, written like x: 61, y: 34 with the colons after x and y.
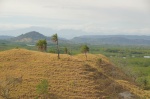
x: 75, y: 17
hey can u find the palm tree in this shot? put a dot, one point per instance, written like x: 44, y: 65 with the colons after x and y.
x: 85, y: 50
x: 55, y: 39
x: 42, y: 45
x: 39, y: 45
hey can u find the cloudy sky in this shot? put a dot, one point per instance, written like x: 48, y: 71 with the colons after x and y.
x: 91, y: 16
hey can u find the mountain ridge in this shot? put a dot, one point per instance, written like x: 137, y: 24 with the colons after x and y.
x: 34, y: 36
x: 113, y: 39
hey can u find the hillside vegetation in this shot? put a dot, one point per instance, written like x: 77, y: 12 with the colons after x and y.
x: 70, y: 77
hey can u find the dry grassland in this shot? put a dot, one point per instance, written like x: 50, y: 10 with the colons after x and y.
x: 71, y: 77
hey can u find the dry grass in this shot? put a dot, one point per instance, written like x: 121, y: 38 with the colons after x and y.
x: 71, y: 77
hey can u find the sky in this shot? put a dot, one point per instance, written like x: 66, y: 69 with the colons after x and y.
x: 99, y: 17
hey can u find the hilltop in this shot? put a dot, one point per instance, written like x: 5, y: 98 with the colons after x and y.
x: 71, y: 77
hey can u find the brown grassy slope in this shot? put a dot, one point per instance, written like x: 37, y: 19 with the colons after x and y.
x: 71, y: 77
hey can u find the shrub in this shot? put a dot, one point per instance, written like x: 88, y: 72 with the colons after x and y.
x: 143, y: 81
x: 42, y: 87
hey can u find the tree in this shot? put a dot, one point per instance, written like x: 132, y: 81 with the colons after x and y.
x: 45, y: 45
x: 85, y: 50
x: 42, y: 45
x: 55, y: 39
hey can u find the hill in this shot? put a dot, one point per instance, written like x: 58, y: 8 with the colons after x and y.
x: 71, y: 77
x: 29, y: 37
x: 33, y: 36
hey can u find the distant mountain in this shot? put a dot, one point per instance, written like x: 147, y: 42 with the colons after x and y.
x: 113, y: 39
x: 29, y: 37
x: 146, y: 37
x: 33, y: 36
x: 4, y: 37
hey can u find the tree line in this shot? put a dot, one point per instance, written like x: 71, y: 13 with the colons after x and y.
x: 42, y: 46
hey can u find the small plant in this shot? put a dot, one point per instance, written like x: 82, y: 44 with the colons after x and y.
x: 99, y: 61
x: 42, y: 88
